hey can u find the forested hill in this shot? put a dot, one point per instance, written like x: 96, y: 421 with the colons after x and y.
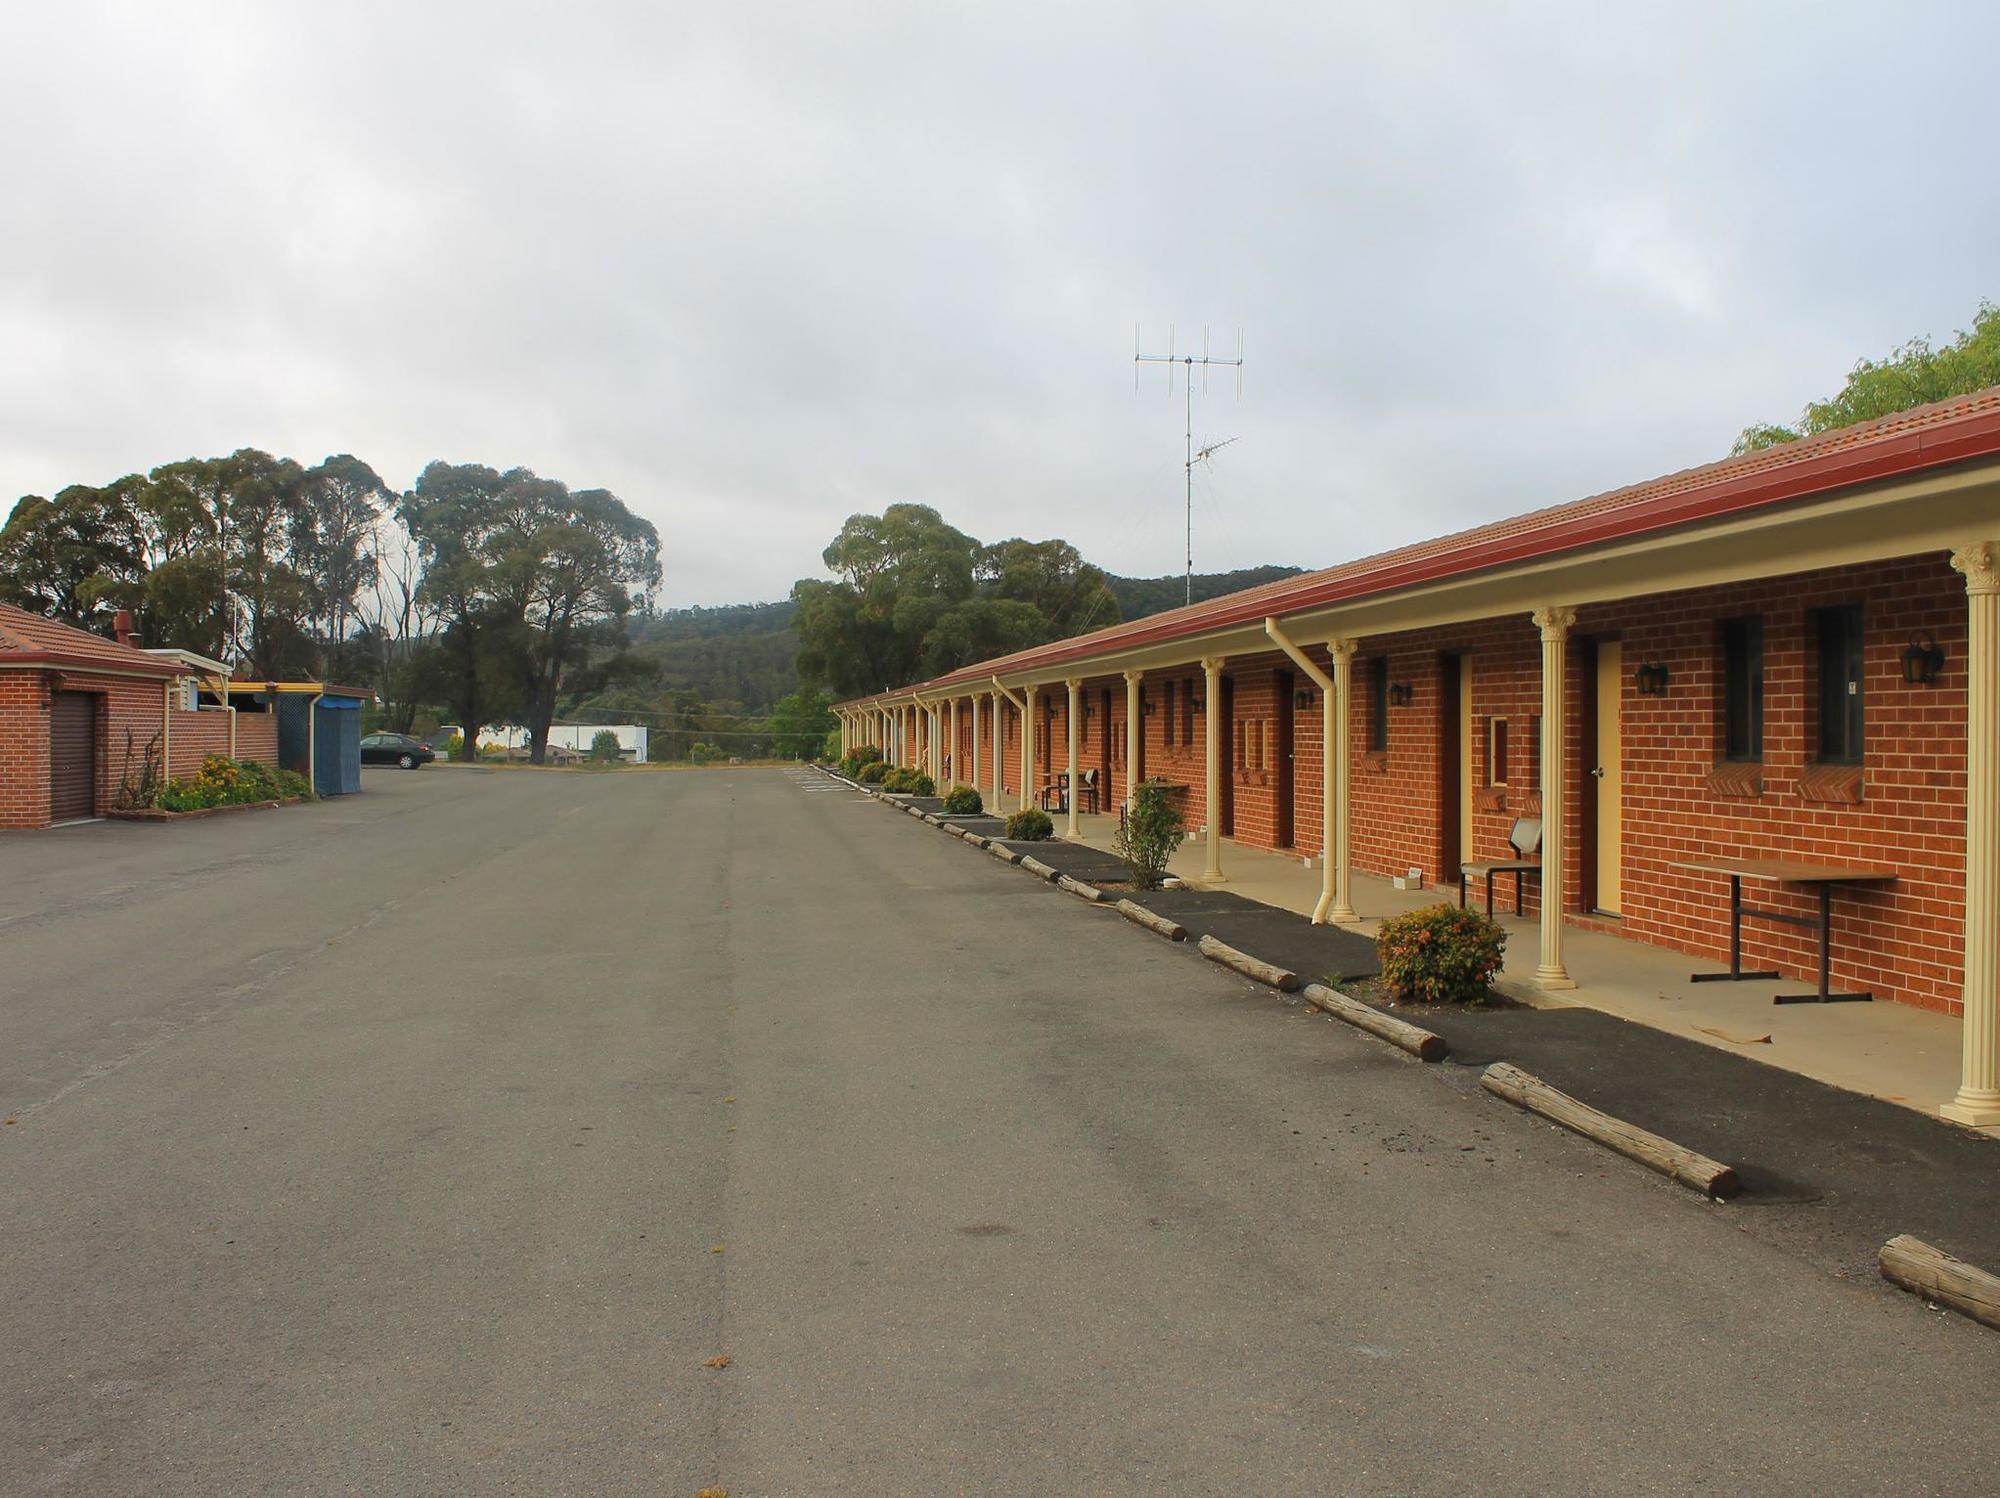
x: 740, y: 654
x: 1139, y: 596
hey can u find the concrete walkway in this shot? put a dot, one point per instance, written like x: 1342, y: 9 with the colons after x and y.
x: 1890, y: 1051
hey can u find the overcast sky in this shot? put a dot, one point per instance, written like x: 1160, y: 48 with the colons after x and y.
x: 756, y: 267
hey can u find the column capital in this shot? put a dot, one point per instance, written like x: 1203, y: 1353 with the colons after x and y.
x: 1074, y: 683
x: 1134, y: 678
x: 1212, y: 664
x: 1343, y: 651
x: 1980, y: 562
x: 1555, y: 621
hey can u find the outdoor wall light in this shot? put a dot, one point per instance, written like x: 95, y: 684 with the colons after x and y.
x: 1923, y: 660
x: 1401, y: 694
x: 1302, y: 699
x: 1651, y: 680
x: 1146, y: 704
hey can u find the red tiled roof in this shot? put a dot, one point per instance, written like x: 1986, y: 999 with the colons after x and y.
x: 30, y: 640
x: 1947, y: 431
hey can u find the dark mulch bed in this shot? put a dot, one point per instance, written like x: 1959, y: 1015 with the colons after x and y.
x: 1315, y: 953
x: 1092, y: 865
x: 983, y: 825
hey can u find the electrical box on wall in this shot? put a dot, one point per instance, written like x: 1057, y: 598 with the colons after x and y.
x: 1408, y: 879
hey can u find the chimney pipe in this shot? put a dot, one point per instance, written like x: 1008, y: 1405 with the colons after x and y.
x: 126, y: 630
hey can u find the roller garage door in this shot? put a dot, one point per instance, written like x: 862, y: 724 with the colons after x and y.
x: 72, y: 756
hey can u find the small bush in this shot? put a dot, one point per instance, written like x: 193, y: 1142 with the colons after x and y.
x: 1151, y: 832
x: 604, y: 747
x: 859, y: 760
x: 873, y: 773
x: 963, y: 801
x: 921, y: 784
x: 1030, y: 826
x: 1440, y: 954
x: 453, y: 746
x: 706, y: 754
x: 222, y: 781
x: 897, y: 781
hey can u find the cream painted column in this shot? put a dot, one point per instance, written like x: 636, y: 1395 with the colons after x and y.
x: 1135, y: 682
x: 1555, y: 624
x: 1978, y: 1099
x: 1211, y: 669
x: 1075, y: 686
x: 1337, y: 788
x: 997, y: 703
x: 973, y: 780
x: 951, y: 752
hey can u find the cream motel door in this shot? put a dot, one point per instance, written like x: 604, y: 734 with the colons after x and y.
x: 1610, y: 775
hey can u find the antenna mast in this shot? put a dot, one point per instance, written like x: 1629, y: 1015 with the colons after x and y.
x: 1189, y: 363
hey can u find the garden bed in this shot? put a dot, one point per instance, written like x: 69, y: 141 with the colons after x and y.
x: 161, y: 814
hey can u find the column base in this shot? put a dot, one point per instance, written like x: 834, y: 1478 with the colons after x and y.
x: 1974, y: 1109
x: 1553, y: 978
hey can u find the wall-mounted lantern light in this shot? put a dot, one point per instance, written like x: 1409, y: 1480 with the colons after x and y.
x: 1147, y: 704
x: 1651, y: 680
x: 1923, y: 660
x: 1401, y: 694
x: 1303, y: 699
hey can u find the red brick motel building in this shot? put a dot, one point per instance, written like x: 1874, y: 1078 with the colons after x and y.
x: 1792, y: 655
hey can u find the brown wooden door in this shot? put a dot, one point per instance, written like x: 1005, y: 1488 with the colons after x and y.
x: 1287, y: 832
x: 1227, y: 723
x: 72, y: 756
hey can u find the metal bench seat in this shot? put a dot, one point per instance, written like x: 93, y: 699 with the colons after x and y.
x: 1525, y: 838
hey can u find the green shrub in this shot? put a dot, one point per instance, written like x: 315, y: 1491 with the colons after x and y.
x: 873, y: 773
x: 921, y: 784
x: 604, y: 748
x: 1030, y: 826
x: 830, y: 750
x: 897, y: 781
x: 1149, y: 836
x: 222, y: 781
x: 1440, y: 954
x: 859, y: 760
x: 452, y: 746
x: 705, y: 754
x: 963, y: 801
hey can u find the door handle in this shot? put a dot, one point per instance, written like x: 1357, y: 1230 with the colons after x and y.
x: 1598, y: 773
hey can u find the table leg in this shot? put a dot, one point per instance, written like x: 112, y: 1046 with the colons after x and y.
x: 1735, y: 973
x: 1826, y: 995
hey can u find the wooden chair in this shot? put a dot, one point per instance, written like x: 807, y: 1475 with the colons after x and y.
x: 1525, y: 838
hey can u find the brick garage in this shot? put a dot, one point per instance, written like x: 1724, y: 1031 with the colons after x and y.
x: 127, y: 689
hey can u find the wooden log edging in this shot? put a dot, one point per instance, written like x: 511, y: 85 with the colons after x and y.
x: 1039, y: 869
x: 1505, y: 1080
x: 1139, y: 915
x: 976, y: 839
x: 1425, y: 1045
x: 1002, y: 852
x: 1282, y: 979
x: 1938, y: 1277
x: 1078, y: 888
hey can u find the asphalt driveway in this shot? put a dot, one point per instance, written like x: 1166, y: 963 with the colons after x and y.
x: 437, y: 1139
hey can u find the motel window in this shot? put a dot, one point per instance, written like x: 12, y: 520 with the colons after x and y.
x: 1840, y: 700
x: 1743, y: 689
x: 1378, y: 704
x: 1496, y: 751
x: 1187, y: 713
x: 1169, y: 726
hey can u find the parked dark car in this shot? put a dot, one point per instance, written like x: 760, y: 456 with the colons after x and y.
x: 395, y: 749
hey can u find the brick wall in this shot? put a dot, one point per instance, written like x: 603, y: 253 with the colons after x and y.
x: 257, y: 737
x: 24, y: 749
x: 192, y: 737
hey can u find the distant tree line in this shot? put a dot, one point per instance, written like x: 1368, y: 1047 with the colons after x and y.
x: 498, y: 594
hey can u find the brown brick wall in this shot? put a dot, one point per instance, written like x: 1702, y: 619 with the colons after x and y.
x: 192, y: 737
x: 131, y: 712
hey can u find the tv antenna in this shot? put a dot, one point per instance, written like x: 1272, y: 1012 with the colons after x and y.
x: 1189, y: 363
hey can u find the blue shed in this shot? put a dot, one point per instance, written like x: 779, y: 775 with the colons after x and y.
x: 319, y: 730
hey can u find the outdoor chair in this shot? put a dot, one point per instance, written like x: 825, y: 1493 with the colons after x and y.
x: 1525, y: 838
x: 1054, y: 794
x: 1086, y: 789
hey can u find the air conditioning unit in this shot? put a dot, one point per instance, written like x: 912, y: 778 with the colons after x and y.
x: 1408, y: 879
